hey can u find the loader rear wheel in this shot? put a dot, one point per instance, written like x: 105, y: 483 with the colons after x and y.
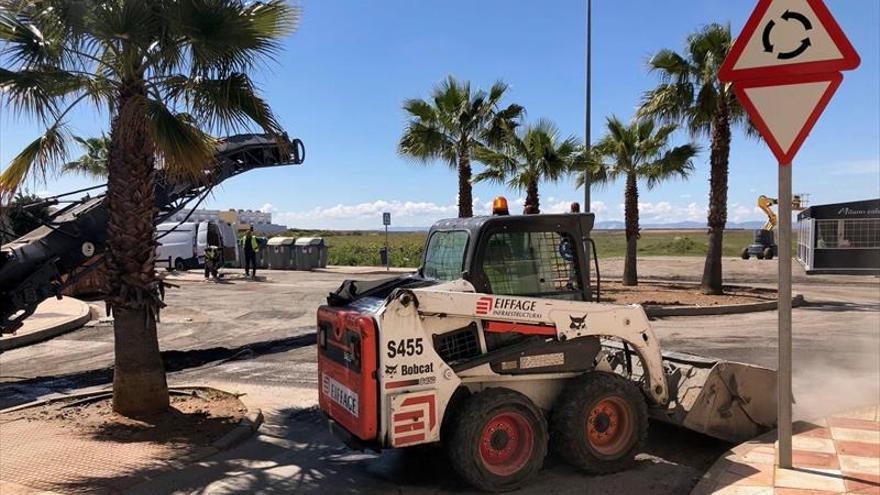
x: 599, y: 423
x: 499, y: 440
x: 768, y: 253
x: 745, y: 254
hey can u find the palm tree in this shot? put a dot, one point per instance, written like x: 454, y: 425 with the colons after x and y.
x: 528, y: 156
x: 453, y: 126
x: 691, y: 94
x: 637, y: 151
x: 93, y: 163
x: 169, y: 72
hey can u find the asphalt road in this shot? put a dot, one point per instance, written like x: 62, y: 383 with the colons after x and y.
x: 257, y: 338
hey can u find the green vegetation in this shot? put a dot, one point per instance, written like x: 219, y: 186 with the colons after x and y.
x: 638, y: 151
x: 361, y: 248
x: 691, y: 94
x: 527, y: 156
x: 453, y: 126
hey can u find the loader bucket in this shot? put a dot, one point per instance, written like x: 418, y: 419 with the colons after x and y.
x: 723, y: 399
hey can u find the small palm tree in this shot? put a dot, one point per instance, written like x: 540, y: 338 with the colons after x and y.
x: 637, y: 151
x: 93, y: 163
x: 690, y: 94
x: 527, y: 156
x: 453, y: 126
x: 169, y: 72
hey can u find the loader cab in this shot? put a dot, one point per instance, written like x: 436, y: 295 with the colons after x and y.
x: 522, y: 255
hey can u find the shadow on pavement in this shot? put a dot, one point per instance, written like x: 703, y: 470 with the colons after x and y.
x: 840, y: 307
x: 295, y: 453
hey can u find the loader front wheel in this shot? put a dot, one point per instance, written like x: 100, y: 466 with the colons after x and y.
x: 499, y: 440
x: 599, y: 423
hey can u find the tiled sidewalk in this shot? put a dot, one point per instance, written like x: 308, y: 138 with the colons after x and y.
x: 835, y: 455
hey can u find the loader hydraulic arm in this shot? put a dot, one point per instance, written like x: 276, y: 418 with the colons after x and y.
x: 561, y: 319
x: 41, y: 263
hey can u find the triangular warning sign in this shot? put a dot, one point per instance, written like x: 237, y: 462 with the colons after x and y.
x: 785, y: 109
x: 787, y: 37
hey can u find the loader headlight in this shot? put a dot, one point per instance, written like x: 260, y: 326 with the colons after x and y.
x: 322, y: 336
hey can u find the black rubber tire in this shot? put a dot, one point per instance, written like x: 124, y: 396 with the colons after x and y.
x: 463, y: 443
x: 180, y: 265
x: 760, y: 256
x: 768, y: 253
x: 568, y: 423
x: 745, y: 254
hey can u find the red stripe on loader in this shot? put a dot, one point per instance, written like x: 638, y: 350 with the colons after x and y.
x: 409, y: 427
x: 408, y: 415
x: 399, y: 441
x: 523, y: 328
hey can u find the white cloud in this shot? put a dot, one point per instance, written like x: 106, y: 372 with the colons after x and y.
x: 268, y: 208
x: 857, y: 167
x: 368, y: 215
x: 666, y: 212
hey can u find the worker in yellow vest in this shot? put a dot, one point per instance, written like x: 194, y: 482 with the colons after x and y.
x: 251, y: 248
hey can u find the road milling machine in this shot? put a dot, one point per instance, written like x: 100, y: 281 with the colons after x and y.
x: 499, y: 348
x: 71, y: 244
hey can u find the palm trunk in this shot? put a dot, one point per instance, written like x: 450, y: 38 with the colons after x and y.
x: 631, y: 218
x: 712, y: 271
x: 465, y: 195
x: 139, y: 386
x: 532, y: 196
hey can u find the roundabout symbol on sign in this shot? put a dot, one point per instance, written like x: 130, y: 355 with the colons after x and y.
x: 787, y: 16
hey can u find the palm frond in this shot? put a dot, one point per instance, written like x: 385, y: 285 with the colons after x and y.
x: 225, y: 104
x: 668, y: 102
x: 670, y: 66
x: 30, y: 41
x: 45, y: 152
x: 184, y: 148
x: 39, y: 92
x: 424, y: 143
x: 95, y: 162
x: 222, y: 36
x: 677, y: 162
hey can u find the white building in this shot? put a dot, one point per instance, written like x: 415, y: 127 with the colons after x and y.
x: 240, y: 219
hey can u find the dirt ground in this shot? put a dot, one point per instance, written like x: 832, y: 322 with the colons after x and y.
x: 258, y: 338
x: 664, y: 294
x: 196, y: 418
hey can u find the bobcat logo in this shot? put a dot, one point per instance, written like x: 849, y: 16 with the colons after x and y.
x: 390, y: 370
x: 578, y: 323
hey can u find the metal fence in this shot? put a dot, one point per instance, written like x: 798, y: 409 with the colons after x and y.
x: 862, y: 233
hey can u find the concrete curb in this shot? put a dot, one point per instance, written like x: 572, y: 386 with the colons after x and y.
x: 14, y: 342
x: 727, y: 309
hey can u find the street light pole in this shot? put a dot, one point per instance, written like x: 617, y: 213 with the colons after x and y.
x: 589, y: 48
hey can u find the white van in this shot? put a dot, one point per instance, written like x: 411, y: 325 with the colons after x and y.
x: 182, y: 246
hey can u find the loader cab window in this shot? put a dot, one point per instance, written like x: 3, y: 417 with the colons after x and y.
x: 540, y: 264
x: 444, y: 257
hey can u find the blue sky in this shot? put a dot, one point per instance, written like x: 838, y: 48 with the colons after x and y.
x: 340, y: 81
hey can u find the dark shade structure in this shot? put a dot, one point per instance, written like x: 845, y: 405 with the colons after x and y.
x: 840, y: 238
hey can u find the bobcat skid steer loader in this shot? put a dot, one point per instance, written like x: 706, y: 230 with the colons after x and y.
x: 497, y: 349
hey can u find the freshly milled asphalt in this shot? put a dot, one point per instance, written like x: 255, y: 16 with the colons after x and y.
x: 258, y: 338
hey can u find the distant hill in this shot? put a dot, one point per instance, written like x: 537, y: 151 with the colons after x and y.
x: 606, y: 225
x: 618, y: 225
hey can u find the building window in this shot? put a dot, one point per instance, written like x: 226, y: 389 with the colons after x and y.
x: 862, y: 233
